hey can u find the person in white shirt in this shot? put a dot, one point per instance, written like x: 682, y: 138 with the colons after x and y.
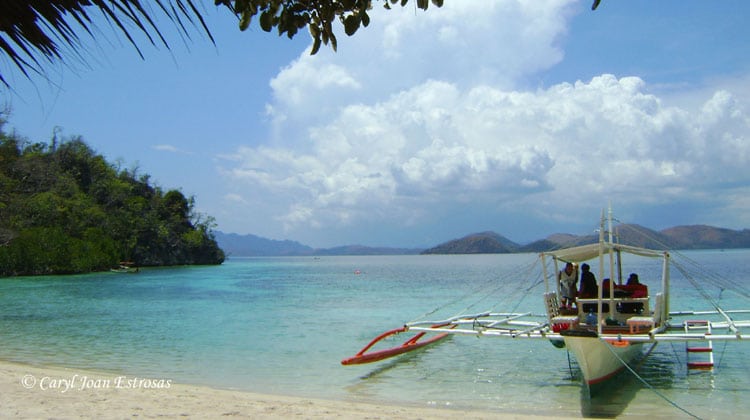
x: 568, y: 279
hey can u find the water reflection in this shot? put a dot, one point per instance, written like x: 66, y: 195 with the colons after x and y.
x: 651, y: 373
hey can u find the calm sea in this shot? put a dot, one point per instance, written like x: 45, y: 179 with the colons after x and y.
x: 282, y: 325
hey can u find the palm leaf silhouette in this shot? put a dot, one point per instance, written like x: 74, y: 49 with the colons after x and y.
x: 34, y: 31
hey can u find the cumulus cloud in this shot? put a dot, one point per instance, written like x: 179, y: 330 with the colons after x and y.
x: 461, y: 42
x: 436, y: 144
x: 407, y: 121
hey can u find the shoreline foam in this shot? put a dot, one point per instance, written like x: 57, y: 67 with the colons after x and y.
x: 46, y: 392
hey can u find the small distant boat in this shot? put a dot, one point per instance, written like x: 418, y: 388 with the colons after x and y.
x: 605, y: 332
x: 125, y: 267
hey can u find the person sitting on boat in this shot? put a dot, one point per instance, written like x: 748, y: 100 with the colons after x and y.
x: 635, y: 290
x: 606, y: 284
x: 589, y: 288
x: 568, y: 280
x: 638, y: 290
x: 632, y: 279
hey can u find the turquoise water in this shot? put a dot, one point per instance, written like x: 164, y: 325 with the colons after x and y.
x: 282, y: 325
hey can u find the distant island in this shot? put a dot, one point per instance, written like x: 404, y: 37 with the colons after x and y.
x: 680, y: 237
x: 64, y: 209
x: 256, y: 246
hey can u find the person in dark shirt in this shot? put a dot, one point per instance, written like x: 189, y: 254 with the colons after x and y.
x: 588, y: 283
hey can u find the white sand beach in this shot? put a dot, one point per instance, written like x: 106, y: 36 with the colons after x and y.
x: 28, y: 392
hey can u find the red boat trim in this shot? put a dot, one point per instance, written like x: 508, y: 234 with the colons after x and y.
x: 700, y: 365
x: 606, y: 377
x: 411, y: 344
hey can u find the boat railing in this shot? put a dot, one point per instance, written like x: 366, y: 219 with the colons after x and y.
x: 486, y: 319
x: 450, y: 320
x: 622, y: 306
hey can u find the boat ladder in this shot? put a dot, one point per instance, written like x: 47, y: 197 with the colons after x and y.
x: 704, y: 351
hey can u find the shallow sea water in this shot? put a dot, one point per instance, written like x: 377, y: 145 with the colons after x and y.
x: 282, y: 325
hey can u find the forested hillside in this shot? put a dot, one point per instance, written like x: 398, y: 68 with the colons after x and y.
x: 65, y: 209
x: 476, y: 243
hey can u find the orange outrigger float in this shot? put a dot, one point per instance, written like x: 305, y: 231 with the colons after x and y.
x: 409, y: 345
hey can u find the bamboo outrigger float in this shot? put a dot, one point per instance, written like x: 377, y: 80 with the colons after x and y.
x: 606, y: 332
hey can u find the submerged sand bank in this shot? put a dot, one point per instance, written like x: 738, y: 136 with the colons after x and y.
x: 33, y: 392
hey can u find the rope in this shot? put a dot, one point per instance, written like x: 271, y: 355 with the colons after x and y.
x: 648, y: 385
x: 691, y: 268
x: 715, y: 279
x: 721, y: 355
x: 724, y: 347
x: 526, y: 269
x: 518, y: 295
x: 482, y: 290
x: 676, y: 354
x: 570, y: 365
x: 526, y: 293
x: 706, y: 296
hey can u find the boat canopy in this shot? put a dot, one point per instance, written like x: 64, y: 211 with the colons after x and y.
x: 591, y: 251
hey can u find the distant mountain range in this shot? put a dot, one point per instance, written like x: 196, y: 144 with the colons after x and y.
x: 251, y: 245
x: 256, y: 246
x: 680, y: 237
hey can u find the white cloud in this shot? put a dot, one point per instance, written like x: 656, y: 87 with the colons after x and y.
x: 402, y: 48
x: 235, y: 198
x: 295, y: 83
x: 437, y: 145
x: 170, y: 148
x: 406, y: 121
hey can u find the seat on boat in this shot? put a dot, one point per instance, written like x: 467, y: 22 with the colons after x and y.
x: 631, y: 291
x: 637, y: 323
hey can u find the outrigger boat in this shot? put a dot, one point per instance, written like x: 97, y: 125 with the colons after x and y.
x: 606, y: 333
x: 125, y: 267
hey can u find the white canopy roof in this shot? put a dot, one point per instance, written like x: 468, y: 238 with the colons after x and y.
x: 591, y: 251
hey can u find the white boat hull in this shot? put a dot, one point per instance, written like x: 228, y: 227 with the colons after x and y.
x: 599, y: 359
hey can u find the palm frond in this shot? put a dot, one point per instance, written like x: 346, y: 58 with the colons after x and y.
x: 32, y: 31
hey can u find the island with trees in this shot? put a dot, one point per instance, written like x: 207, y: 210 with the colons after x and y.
x: 64, y: 209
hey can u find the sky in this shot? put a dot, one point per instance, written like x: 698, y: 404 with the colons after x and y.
x: 525, y: 118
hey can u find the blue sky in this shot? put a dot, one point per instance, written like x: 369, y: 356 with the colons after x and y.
x: 521, y: 117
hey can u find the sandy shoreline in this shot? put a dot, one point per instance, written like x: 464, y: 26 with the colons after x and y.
x: 34, y: 392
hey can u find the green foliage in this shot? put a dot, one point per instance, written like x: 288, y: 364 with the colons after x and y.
x: 32, y: 31
x: 64, y: 209
x: 288, y: 17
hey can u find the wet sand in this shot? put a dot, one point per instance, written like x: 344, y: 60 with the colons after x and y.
x: 40, y: 392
